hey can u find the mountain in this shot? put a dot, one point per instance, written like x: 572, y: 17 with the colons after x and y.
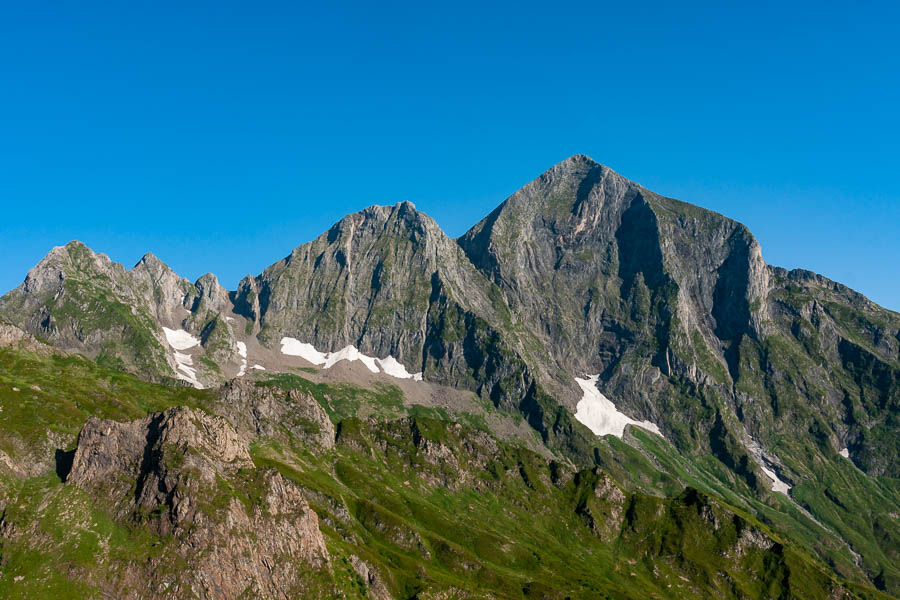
x: 588, y: 332
x: 389, y: 282
x: 81, y: 301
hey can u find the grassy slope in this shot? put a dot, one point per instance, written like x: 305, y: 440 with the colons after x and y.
x: 515, y: 529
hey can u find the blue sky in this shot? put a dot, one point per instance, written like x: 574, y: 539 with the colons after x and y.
x: 221, y: 135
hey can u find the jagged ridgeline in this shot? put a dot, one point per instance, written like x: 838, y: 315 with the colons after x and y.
x: 596, y: 391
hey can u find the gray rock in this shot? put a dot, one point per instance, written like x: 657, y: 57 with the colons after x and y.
x: 176, y: 471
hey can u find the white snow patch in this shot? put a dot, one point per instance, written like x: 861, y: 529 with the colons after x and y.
x: 390, y: 365
x: 259, y: 367
x: 184, y: 369
x: 294, y: 347
x: 845, y: 453
x: 777, y: 484
x: 180, y: 339
x: 350, y: 353
x: 189, y: 371
x: 242, y: 350
x: 756, y: 450
x: 600, y: 415
x: 229, y: 319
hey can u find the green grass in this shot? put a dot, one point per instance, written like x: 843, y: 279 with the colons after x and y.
x: 516, y: 532
x: 69, y: 390
x: 433, y: 502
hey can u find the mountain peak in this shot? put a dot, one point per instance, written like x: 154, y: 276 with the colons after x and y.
x: 149, y: 257
x: 401, y: 219
x: 74, y: 254
x: 150, y: 263
x: 70, y: 249
x: 76, y: 244
x: 579, y: 159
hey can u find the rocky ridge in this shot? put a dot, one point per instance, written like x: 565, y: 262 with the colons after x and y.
x: 181, y: 473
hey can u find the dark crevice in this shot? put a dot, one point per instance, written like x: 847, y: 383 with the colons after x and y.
x: 64, y: 463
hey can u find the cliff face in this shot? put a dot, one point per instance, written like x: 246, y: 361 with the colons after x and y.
x: 388, y: 281
x: 603, y: 270
x: 188, y: 476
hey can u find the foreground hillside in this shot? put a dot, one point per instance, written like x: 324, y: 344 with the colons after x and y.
x: 273, y: 488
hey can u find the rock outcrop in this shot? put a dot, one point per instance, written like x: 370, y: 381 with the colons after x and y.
x: 188, y: 475
x: 268, y: 411
x: 12, y: 336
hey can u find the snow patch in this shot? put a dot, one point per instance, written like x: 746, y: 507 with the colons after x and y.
x: 180, y: 339
x: 390, y: 365
x: 845, y: 453
x: 242, y: 350
x: 184, y: 369
x: 600, y: 415
x: 350, y: 353
x: 189, y: 371
x: 293, y: 347
x: 777, y: 484
x: 756, y: 451
x: 258, y: 367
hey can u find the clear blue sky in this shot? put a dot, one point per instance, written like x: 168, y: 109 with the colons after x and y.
x: 220, y: 135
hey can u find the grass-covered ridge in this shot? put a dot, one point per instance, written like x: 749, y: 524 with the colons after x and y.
x: 50, y: 396
x: 429, y: 499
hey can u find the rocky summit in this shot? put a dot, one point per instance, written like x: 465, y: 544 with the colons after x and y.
x: 595, y: 392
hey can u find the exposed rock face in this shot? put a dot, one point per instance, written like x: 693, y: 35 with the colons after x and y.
x: 190, y: 441
x: 603, y: 504
x: 375, y: 587
x: 601, y: 268
x: 388, y: 281
x: 189, y: 475
x: 155, y: 281
x: 209, y: 293
x: 10, y: 335
x: 269, y: 412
